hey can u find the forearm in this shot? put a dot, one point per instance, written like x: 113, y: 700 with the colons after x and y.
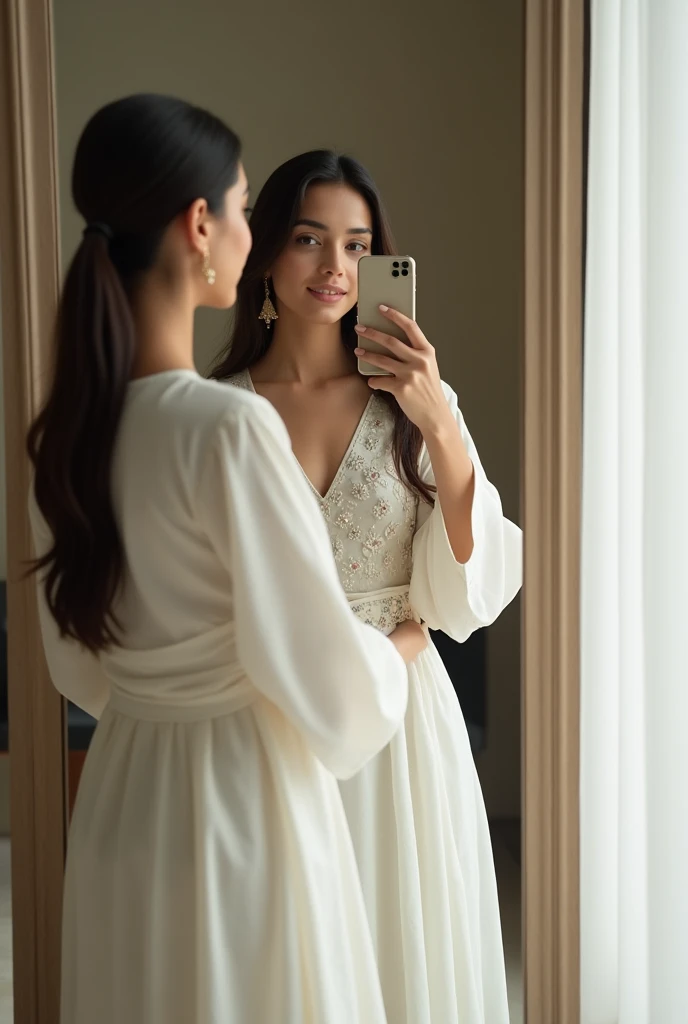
x: 455, y: 479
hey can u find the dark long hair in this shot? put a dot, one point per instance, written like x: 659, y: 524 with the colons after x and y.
x: 275, y: 212
x: 140, y: 162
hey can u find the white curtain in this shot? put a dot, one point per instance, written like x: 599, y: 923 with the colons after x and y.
x: 634, y: 724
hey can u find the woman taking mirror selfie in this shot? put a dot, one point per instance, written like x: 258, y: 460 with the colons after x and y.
x: 187, y: 590
x: 417, y: 532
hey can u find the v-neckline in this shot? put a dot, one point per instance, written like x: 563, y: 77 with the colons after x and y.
x: 342, y: 465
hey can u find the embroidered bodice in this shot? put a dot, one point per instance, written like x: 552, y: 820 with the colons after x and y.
x: 370, y: 513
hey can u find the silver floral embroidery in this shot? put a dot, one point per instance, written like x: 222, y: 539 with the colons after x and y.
x: 373, y: 475
x: 373, y: 543
x: 371, y: 518
x: 386, y: 612
x: 355, y: 462
x: 381, y: 509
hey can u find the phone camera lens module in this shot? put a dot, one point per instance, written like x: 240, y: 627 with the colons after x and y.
x: 405, y: 264
x: 404, y: 273
x: 395, y: 264
x: 395, y: 273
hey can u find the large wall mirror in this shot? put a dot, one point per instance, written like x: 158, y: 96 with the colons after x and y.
x: 470, y: 117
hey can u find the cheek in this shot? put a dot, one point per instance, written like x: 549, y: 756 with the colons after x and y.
x: 243, y: 238
x: 288, y: 273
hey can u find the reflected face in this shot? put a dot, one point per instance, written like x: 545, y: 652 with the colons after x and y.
x: 230, y: 245
x: 316, y: 274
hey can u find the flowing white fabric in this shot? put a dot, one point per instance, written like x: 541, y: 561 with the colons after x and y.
x: 634, y: 714
x: 210, y: 872
x: 416, y: 811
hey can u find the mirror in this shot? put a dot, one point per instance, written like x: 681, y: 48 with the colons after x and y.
x: 430, y: 99
x: 6, y: 985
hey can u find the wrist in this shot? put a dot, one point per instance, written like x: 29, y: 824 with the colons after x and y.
x: 441, y: 429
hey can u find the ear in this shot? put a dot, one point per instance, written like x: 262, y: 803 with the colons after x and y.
x: 196, y: 221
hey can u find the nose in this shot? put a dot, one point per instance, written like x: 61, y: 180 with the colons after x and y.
x: 332, y: 263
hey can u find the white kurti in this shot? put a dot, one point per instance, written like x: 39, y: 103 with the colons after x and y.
x: 211, y: 876
x: 416, y: 812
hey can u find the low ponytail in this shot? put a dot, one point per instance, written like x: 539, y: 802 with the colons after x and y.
x: 71, y: 445
x: 140, y: 162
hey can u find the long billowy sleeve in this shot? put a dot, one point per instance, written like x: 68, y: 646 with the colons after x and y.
x: 460, y: 598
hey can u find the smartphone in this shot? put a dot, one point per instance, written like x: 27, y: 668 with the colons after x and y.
x: 384, y: 281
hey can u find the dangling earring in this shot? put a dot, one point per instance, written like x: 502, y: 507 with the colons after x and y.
x: 207, y: 270
x: 268, y: 313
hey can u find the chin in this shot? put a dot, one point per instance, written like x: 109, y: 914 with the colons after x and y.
x: 325, y: 315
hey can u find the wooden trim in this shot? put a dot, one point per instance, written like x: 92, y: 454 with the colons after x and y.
x: 29, y: 286
x: 552, y: 430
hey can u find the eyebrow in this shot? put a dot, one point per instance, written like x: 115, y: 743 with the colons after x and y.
x: 323, y: 227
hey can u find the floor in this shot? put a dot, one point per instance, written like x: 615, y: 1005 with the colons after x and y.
x: 508, y: 878
x: 506, y: 846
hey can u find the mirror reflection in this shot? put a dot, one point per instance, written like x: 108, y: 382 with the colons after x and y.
x: 426, y: 104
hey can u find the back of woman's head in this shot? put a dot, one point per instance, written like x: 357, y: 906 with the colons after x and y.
x: 140, y: 163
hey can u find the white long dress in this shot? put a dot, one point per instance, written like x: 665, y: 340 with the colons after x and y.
x: 416, y: 812
x: 210, y: 876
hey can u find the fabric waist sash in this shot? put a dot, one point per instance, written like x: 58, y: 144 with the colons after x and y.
x: 239, y: 696
x: 383, y: 609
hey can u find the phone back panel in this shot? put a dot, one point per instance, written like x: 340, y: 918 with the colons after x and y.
x: 387, y: 281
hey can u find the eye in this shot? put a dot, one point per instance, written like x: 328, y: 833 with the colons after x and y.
x: 306, y: 240
x: 357, y: 247
x: 248, y: 210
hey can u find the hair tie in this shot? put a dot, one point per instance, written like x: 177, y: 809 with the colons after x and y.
x: 98, y: 228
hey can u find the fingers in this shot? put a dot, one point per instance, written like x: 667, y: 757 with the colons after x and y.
x: 379, y: 360
x: 398, y: 348
x: 390, y: 384
x: 410, y: 328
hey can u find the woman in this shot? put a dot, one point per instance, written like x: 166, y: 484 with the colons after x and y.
x: 417, y: 532
x: 187, y: 590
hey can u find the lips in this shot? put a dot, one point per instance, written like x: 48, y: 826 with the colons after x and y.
x: 327, y: 295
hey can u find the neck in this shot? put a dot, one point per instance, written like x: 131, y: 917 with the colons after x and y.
x: 164, y: 321
x: 305, y: 353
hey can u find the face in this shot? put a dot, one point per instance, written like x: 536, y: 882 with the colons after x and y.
x: 316, y: 275
x: 229, y: 242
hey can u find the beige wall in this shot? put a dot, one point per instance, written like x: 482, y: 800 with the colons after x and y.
x: 429, y: 96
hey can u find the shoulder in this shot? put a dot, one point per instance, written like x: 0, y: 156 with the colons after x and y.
x: 194, y: 415
x: 234, y: 415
